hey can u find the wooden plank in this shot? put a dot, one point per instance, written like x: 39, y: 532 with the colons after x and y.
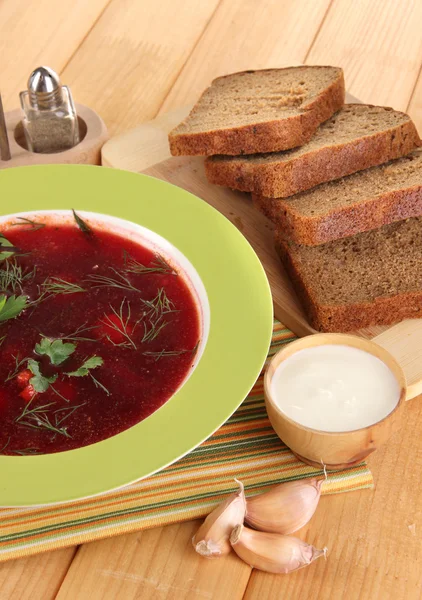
x: 244, y: 35
x: 35, y: 578
x: 158, y: 563
x: 373, y: 537
x: 129, y: 61
x: 42, y: 32
x: 415, y: 104
x: 378, y: 44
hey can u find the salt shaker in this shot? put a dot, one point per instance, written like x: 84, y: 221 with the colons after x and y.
x: 50, y: 121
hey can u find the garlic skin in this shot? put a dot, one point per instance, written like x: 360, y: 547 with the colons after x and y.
x: 272, y: 552
x: 212, y: 538
x: 285, y: 508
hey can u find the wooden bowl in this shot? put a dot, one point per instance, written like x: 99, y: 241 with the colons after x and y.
x: 336, y: 450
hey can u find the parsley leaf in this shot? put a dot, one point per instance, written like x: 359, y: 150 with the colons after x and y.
x: 57, y: 350
x: 11, y: 307
x: 81, y: 223
x: 84, y: 369
x: 39, y: 382
x: 4, y: 243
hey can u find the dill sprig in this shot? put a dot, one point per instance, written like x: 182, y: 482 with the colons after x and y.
x: 26, y: 451
x: 164, y: 353
x: 18, y: 365
x: 76, y: 336
x: 120, y: 281
x: 168, y: 353
x: 55, y: 286
x: 122, y: 325
x: 161, y: 304
x: 5, y: 446
x: 83, y: 226
x: 33, y: 225
x: 158, y: 265
x: 13, y: 276
x: 152, y: 329
x: 43, y: 417
x: 98, y: 384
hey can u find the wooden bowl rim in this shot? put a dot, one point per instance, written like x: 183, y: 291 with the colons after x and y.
x: 340, y: 339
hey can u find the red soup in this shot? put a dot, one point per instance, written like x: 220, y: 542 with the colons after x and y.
x: 96, y: 333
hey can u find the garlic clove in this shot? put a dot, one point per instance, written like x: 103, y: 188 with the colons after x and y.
x: 272, y: 552
x: 212, y: 538
x: 285, y: 508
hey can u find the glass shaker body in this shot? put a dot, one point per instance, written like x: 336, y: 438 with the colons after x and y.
x: 50, y: 129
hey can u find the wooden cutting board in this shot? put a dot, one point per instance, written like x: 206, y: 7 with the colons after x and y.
x: 145, y: 150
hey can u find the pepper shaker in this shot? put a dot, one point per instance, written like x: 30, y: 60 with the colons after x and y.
x: 50, y: 121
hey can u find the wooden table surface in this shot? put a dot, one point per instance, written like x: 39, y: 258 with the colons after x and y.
x: 131, y: 60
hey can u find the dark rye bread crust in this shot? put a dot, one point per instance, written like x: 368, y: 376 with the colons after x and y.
x: 391, y: 307
x: 269, y: 136
x: 286, y: 178
x: 368, y: 212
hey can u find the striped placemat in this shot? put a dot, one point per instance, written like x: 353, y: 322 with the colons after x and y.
x: 245, y: 447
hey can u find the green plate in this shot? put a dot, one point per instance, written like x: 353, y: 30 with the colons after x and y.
x: 240, y: 329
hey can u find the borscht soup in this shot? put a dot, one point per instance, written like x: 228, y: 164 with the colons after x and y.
x: 97, y: 331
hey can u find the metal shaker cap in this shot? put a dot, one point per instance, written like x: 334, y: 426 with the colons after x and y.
x: 45, y: 89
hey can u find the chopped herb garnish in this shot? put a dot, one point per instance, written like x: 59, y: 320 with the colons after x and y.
x: 57, y: 350
x: 12, y: 306
x: 160, y: 305
x: 83, y: 226
x: 39, y: 382
x: 11, y: 250
x: 98, y: 384
x: 76, y: 336
x: 158, y: 265
x: 54, y: 286
x: 34, y: 226
x: 121, y: 324
x: 120, y: 281
x: 66, y: 411
x: 18, y: 364
x: 38, y: 417
x: 84, y: 369
x: 152, y: 329
x: 13, y: 277
x: 26, y: 451
x: 5, y: 446
x: 164, y: 353
x: 2, y: 338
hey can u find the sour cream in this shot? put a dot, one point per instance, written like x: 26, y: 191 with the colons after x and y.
x: 335, y: 388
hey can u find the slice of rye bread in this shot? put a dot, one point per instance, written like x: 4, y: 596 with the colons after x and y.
x: 260, y: 111
x: 373, y: 278
x: 365, y: 200
x: 359, y: 136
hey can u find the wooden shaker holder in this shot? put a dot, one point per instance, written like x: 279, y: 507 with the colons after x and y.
x: 93, y: 133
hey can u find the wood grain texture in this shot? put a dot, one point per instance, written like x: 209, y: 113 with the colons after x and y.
x: 415, y: 105
x: 130, y: 60
x: 373, y: 537
x: 35, y: 578
x: 378, y: 44
x: 244, y: 35
x: 404, y: 342
x: 36, y: 33
x: 155, y: 564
